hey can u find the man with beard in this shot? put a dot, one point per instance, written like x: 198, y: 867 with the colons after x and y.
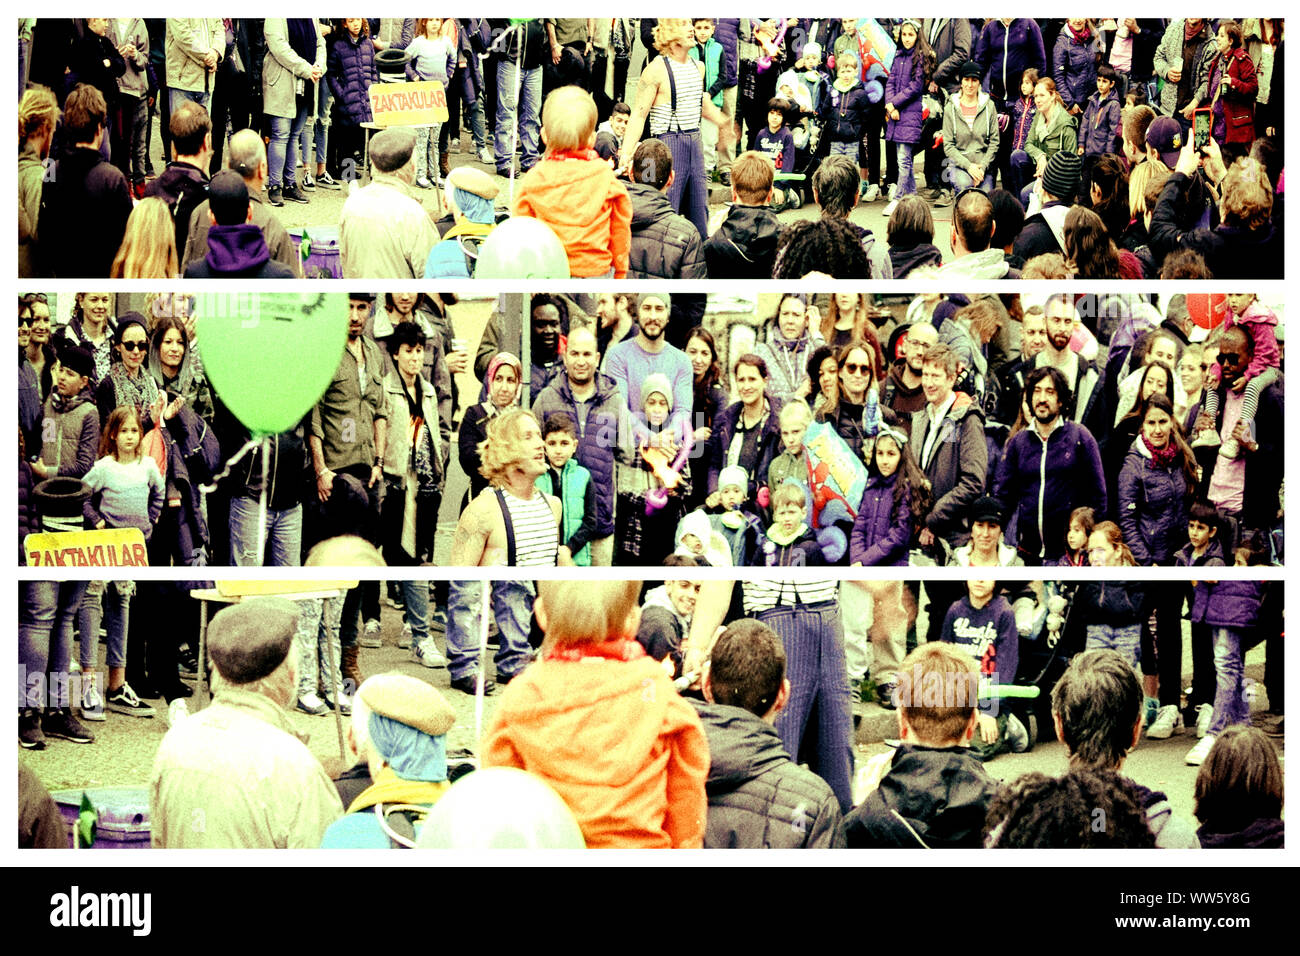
x: 903, y: 392
x: 596, y: 406
x: 1082, y: 402
x: 1049, y: 470
x: 630, y: 363
x: 1033, y: 339
x: 349, y: 433
x: 512, y: 523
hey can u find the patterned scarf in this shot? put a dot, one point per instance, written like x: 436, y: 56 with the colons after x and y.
x: 140, y: 390
x: 1161, y: 457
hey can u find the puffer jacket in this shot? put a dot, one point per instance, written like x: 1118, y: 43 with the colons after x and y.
x: 1005, y: 52
x: 903, y: 91
x: 843, y: 115
x: 802, y: 551
x: 932, y: 797
x: 351, y: 69
x: 727, y: 33
x: 744, y: 246
x: 1074, y: 67
x: 758, y: 797
x: 1170, y: 49
x: 1152, y: 506
x: 1233, y: 604
x: 882, y: 532
x: 1212, y: 558
x: 664, y: 244
x: 28, y: 522
x: 71, y: 436
x: 787, y: 360
x: 596, y: 440
x: 974, y: 144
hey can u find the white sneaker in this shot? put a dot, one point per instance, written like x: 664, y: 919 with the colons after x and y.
x: 92, y: 701
x: 1204, y: 717
x: 485, y: 156
x: 889, y: 208
x: 372, y: 636
x: 1168, y: 720
x: 872, y: 193
x: 893, y: 190
x: 310, y: 703
x: 1017, y: 734
x: 407, y: 639
x: 1230, y: 448
x: 1206, y: 438
x: 423, y: 182
x: 177, y: 711
x: 1196, y: 756
x: 427, y: 653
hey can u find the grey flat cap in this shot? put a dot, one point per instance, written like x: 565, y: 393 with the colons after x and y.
x: 248, y: 641
x: 391, y: 149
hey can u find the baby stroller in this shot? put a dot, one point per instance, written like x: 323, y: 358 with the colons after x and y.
x: 1043, y: 659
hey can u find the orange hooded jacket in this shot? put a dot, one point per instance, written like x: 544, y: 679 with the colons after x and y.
x: 616, y: 742
x: 586, y: 206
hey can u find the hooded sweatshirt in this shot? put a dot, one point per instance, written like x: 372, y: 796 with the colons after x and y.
x: 237, y: 252
x: 577, y: 196
x: 933, y: 797
x: 616, y: 742
x: 662, y: 630
x: 744, y: 246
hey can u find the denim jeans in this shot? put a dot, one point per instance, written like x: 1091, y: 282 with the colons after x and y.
x: 906, y: 180
x: 282, y: 152
x: 111, y: 599
x: 321, y: 128
x: 478, y: 123
x: 1127, y: 640
x: 415, y: 595
x: 512, y: 607
x: 526, y: 111
x: 318, y: 629
x: 845, y: 149
x: 1230, y: 704
x: 959, y: 179
x: 176, y: 97
x: 1023, y: 170
x: 45, y: 620
x: 283, y: 535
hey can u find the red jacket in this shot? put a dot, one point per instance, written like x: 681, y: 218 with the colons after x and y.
x: 1238, y: 99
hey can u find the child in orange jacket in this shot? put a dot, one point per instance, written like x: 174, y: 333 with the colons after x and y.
x: 574, y: 192
x: 601, y: 723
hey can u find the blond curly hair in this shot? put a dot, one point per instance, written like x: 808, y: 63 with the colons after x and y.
x: 501, y: 451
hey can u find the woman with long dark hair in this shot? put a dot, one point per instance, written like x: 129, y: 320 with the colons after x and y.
x: 747, y: 433
x: 857, y: 380
x: 709, y: 401
x: 1091, y: 252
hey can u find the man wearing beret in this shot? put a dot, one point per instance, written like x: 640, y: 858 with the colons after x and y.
x: 236, y: 775
x: 399, y: 726
x: 384, y: 232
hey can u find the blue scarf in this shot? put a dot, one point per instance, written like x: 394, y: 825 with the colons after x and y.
x: 302, y: 37
x: 411, y: 753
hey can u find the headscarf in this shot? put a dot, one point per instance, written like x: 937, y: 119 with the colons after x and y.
x: 412, y: 754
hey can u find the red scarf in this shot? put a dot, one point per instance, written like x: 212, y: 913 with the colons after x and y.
x: 619, y: 649
x: 1161, y: 457
x: 1082, y: 36
x: 571, y: 154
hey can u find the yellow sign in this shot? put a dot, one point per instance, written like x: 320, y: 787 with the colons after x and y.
x: 408, y: 104
x: 109, y: 548
x: 263, y: 588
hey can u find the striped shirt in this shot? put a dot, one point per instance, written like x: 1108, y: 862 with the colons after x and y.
x: 536, y: 536
x: 690, y: 100
x: 762, y: 596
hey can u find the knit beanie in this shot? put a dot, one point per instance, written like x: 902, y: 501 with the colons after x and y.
x: 1061, y: 175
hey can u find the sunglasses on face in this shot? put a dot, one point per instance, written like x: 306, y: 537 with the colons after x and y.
x: 853, y: 368
x: 1230, y: 358
x: 135, y: 346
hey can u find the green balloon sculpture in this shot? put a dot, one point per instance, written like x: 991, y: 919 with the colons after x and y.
x: 522, y: 248
x: 270, y: 356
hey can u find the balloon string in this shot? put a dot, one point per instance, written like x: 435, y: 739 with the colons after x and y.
x: 225, y: 470
x: 261, y: 503
x: 479, y: 689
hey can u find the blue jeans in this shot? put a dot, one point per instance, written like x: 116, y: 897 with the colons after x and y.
x: 111, y: 599
x: 512, y: 607
x: 45, y: 620
x: 1230, y: 704
x: 959, y: 179
x: 1127, y: 640
x: 176, y: 97
x: 283, y: 535
x: 478, y: 123
x: 282, y: 152
x: 1023, y: 170
x: 415, y: 595
x: 322, y: 125
x: 906, y: 180
x: 527, y: 111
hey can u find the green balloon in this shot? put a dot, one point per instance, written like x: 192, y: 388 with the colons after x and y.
x: 522, y: 248
x: 270, y: 356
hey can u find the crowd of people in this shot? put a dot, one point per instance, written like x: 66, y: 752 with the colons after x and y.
x: 1100, y: 430
x: 602, y: 744
x: 1131, y: 148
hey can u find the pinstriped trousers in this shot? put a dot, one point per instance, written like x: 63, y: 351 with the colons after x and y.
x: 816, y: 726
